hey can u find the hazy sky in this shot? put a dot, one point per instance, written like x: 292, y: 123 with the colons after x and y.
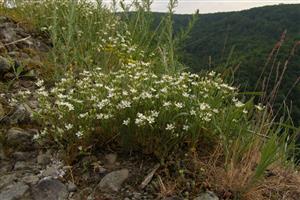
x: 211, y: 6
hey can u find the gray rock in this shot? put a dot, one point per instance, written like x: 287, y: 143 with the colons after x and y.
x: 21, y: 156
x: 2, y: 154
x: 5, y: 167
x: 22, y: 165
x: 50, y: 189
x: 19, y: 139
x: 22, y: 113
x: 31, y: 179
x: 3, y: 19
x: 8, y: 33
x: 111, y: 158
x: 8, y: 76
x: 15, y: 191
x: 114, y: 180
x: 18, y: 55
x: 41, y: 46
x: 71, y: 187
x: 207, y: 196
x: 86, y: 193
x: 3, y: 50
x: 51, y: 171
x: 17, y: 135
x: 43, y: 159
x: 33, y: 104
x: 5, y: 65
x: 136, y: 195
x: 102, y: 170
x: 173, y: 198
x: 7, y: 179
x: 2, y: 112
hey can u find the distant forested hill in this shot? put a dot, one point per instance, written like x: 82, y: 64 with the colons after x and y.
x: 246, y: 39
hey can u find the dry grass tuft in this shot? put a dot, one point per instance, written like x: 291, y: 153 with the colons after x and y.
x: 283, y: 184
x: 235, y: 179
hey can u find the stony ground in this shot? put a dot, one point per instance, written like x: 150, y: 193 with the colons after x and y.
x: 29, y: 170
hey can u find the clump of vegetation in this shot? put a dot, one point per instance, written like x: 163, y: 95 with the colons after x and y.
x: 156, y: 112
x: 117, y: 86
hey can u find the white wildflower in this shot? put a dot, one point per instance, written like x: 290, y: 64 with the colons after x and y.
x: 245, y: 111
x: 43, y: 93
x: 207, y: 119
x: 69, y: 126
x: 193, y: 112
x: 44, y: 132
x: 215, y: 110
x: 239, y: 104
x: 93, y: 98
x: 154, y: 113
x: 99, y: 116
x: 185, y: 127
x: 167, y: 104
x: 141, y: 119
x: 79, y: 134
x: 39, y: 83
x: 146, y: 95
x: 59, y: 130
x: 212, y: 73
x: 132, y: 90
x: 259, y: 107
x: 170, y: 127
x: 179, y: 105
x: 102, y: 103
x: 204, y: 106
x: 234, y: 99
x: 124, y: 104
x: 126, y: 122
x: 164, y: 90
x: 83, y: 115
x: 36, y: 136
x: 185, y: 94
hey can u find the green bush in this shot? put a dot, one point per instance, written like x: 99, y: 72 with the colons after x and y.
x: 140, y: 109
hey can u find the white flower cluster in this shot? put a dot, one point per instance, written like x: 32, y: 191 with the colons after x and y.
x: 136, y: 98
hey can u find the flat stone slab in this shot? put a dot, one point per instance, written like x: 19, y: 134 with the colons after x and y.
x: 14, y: 191
x: 50, y: 189
x: 114, y: 180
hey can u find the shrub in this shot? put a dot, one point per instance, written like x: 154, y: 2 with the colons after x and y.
x: 140, y: 108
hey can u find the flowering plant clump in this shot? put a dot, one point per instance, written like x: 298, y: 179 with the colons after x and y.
x: 127, y: 102
x: 137, y: 107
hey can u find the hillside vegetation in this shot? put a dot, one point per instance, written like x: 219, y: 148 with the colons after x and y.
x: 117, y: 83
x: 258, y: 41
